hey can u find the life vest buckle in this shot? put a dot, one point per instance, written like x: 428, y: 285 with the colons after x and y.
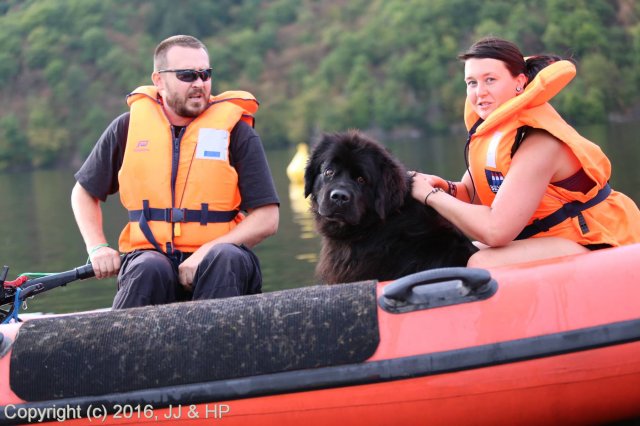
x: 571, y: 209
x: 177, y: 215
x: 540, y: 225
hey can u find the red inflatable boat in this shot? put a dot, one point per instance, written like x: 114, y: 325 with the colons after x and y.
x: 554, y: 342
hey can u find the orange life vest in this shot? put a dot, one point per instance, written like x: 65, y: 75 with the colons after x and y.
x: 613, y: 220
x: 180, y: 208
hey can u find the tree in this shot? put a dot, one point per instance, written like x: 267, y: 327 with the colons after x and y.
x: 13, y: 143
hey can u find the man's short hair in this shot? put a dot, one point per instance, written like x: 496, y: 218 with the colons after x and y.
x: 160, y: 55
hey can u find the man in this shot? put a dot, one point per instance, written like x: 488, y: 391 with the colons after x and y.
x: 186, y: 164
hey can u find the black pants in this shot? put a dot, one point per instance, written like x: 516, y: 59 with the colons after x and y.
x: 148, y: 277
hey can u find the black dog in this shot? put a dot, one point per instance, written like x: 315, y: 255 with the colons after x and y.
x: 370, y: 225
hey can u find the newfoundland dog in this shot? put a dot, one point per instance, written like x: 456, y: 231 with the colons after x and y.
x: 371, y: 227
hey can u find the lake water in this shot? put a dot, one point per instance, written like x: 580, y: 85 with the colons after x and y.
x: 39, y: 234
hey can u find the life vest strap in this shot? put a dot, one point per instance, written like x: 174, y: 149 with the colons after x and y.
x: 173, y: 215
x: 144, y: 226
x: 568, y: 210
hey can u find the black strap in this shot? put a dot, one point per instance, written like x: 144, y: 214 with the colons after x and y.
x: 202, y: 216
x: 568, y: 210
x: 172, y: 215
x: 472, y: 131
x: 520, y: 134
x: 144, y: 226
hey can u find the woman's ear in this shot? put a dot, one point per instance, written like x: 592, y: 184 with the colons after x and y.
x: 521, y: 81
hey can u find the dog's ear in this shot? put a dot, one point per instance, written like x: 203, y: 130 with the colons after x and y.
x: 312, y: 169
x: 391, y: 189
x: 310, y: 172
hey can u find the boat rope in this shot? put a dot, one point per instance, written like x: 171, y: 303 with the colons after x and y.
x: 13, y: 314
x: 17, y: 301
x: 31, y: 275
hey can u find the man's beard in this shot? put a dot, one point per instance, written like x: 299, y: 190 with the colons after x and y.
x: 180, y: 105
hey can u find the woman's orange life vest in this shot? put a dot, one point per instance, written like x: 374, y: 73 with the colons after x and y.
x: 614, y: 221
x: 180, y: 208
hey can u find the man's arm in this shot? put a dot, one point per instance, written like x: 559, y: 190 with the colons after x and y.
x: 260, y: 223
x: 88, y: 214
x: 97, y: 179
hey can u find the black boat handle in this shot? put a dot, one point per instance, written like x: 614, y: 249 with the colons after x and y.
x: 451, y: 286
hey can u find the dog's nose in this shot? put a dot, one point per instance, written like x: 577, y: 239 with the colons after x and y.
x: 340, y: 196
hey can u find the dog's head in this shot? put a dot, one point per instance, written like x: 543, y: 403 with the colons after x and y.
x: 353, y: 180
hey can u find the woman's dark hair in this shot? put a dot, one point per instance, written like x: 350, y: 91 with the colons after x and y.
x: 510, y: 54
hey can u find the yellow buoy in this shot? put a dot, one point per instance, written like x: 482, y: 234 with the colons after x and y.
x: 295, y: 169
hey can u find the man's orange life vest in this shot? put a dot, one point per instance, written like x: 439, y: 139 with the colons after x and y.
x: 181, y: 192
x: 609, y: 217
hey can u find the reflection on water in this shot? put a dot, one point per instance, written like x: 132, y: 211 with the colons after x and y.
x: 303, y: 218
x: 38, y: 232
x: 300, y: 207
x: 299, y: 204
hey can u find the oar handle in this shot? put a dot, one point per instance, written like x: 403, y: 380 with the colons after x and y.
x: 85, y: 271
x: 39, y: 285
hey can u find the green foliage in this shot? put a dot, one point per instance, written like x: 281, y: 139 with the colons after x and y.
x: 66, y: 65
x: 13, y: 143
x: 46, y: 139
x: 93, y: 44
x: 41, y: 42
x: 358, y: 95
x: 91, y: 127
x: 8, y: 68
x: 11, y: 46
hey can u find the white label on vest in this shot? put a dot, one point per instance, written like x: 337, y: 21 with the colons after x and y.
x: 493, y: 147
x: 212, y: 144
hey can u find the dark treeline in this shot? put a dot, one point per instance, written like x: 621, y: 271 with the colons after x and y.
x: 389, y: 65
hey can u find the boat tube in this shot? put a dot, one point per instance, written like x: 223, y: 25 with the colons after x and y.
x: 548, y: 342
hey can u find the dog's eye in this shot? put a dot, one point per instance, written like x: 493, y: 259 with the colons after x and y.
x: 329, y: 173
x: 361, y: 180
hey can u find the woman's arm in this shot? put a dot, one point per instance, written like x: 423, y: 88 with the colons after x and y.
x: 542, y: 159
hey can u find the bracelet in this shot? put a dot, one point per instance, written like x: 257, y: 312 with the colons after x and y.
x: 96, y: 248
x: 433, y: 191
x: 453, y: 188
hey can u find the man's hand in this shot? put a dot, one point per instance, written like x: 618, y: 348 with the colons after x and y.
x: 187, y: 269
x: 105, y: 261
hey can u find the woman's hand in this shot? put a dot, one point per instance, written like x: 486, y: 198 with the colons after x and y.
x: 423, y: 184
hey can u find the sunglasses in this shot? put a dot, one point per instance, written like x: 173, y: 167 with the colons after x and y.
x: 189, y: 76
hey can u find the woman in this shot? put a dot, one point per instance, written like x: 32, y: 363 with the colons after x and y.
x: 534, y: 188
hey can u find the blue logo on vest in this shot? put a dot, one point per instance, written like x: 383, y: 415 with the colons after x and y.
x: 494, y: 179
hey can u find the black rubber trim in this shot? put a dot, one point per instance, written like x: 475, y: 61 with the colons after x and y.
x: 368, y: 372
